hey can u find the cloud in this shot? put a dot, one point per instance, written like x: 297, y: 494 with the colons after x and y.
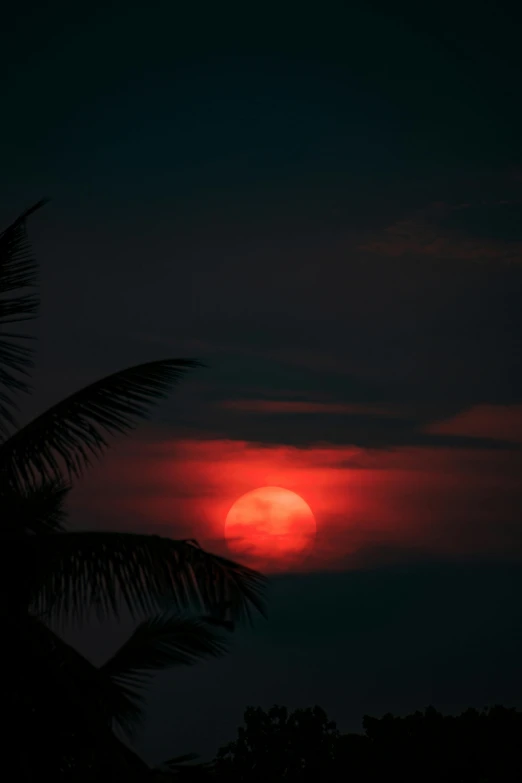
x: 300, y: 407
x: 503, y: 422
x: 439, y: 232
x: 440, y: 502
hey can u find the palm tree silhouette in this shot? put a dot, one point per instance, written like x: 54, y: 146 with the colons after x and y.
x: 51, y: 573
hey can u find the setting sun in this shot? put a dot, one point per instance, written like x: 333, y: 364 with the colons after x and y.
x: 270, y: 527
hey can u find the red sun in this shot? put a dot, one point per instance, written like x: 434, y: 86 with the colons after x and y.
x: 270, y: 528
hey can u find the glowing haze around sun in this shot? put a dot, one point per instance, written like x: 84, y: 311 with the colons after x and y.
x: 270, y: 528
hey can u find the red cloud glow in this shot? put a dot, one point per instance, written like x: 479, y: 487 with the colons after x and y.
x: 503, y: 422
x: 440, y: 502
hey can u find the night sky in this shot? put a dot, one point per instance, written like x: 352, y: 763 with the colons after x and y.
x: 325, y: 207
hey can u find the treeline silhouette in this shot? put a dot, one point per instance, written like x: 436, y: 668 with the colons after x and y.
x: 304, y: 746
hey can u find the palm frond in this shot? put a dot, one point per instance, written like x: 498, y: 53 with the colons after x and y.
x: 180, y: 760
x: 112, y: 694
x: 161, y: 642
x: 35, y: 508
x: 157, y: 643
x: 85, y: 572
x: 18, y: 271
x: 68, y: 435
x: 68, y: 698
x: 184, y: 768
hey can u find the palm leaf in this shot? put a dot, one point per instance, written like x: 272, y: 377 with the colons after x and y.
x: 37, y: 508
x: 18, y: 271
x: 28, y: 516
x: 180, y: 760
x: 65, y: 704
x: 157, y: 643
x: 100, y: 698
x: 78, y: 573
x: 182, y: 768
x: 161, y: 642
x: 112, y: 693
x: 68, y: 435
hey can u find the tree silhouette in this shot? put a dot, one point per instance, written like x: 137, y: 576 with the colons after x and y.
x: 275, y: 745
x: 473, y: 746
x: 278, y: 745
x: 63, y: 708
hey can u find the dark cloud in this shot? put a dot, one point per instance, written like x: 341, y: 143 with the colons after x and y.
x: 365, y: 431
x: 482, y: 232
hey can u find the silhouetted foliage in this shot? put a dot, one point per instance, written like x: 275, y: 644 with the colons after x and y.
x: 278, y: 745
x: 474, y: 747
x: 73, y: 573
x: 63, y: 708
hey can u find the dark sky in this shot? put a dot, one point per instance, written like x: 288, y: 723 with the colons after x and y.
x: 325, y: 206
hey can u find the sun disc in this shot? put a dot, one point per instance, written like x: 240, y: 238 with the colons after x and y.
x: 270, y: 527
